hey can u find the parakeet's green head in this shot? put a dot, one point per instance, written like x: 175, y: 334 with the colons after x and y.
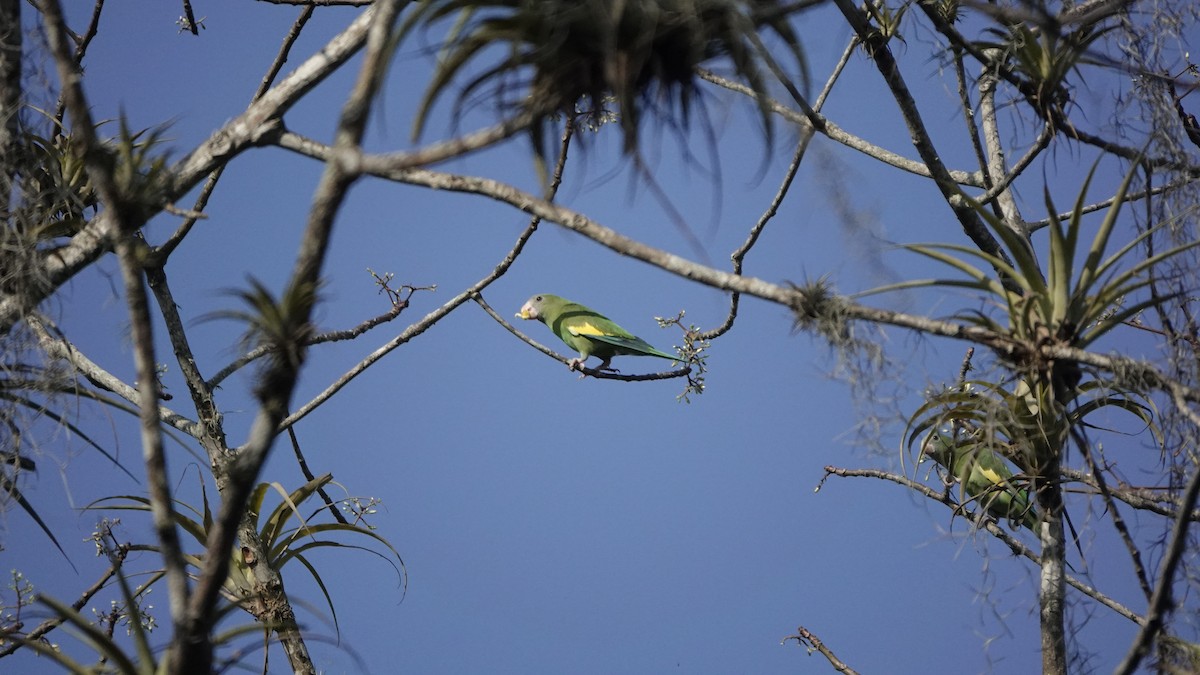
x: 539, y: 306
x: 939, y: 446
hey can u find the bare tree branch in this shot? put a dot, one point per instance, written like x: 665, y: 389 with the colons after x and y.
x: 59, y: 348
x: 44, y: 628
x: 1007, y: 348
x: 1139, y: 498
x: 192, y: 647
x: 980, y: 520
x: 125, y: 221
x: 813, y: 643
x: 971, y: 223
x: 829, y: 129
x: 1162, y: 601
x: 591, y: 372
x: 82, y: 43
x: 433, y: 317
x: 331, y: 336
x: 162, y: 252
x: 806, y: 134
x: 1097, y: 474
x: 258, y: 123
x: 999, y: 176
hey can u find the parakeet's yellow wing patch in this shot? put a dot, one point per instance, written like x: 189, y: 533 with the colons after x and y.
x: 991, y: 475
x: 586, y: 329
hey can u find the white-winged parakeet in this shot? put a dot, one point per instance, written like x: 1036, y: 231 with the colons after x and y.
x: 587, y: 331
x: 984, y: 475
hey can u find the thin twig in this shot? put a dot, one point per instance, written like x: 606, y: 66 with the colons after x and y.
x: 58, y: 347
x: 784, y: 294
x: 331, y: 336
x: 980, y: 520
x: 42, y: 629
x: 812, y: 642
x: 462, y: 145
x: 1097, y: 473
x: 209, y: 430
x: 832, y: 131
x: 1146, y: 499
x: 124, y: 221
x: 192, y: 647
x: 1130, y: 197
x: 806, y: 134
x: 966, y: 366
x: 81, y: 46
x: 309, y: 476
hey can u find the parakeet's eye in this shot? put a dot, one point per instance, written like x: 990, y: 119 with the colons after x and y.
x: 538, y: 299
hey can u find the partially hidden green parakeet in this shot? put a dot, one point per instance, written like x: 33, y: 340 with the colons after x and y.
x: 983, y: 474
x: 587, y: 331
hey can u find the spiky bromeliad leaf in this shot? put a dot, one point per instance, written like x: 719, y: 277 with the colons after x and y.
x: 1021, y: 422
x: 1084, y: 295
x: 58, y: 192
x: 556, y: 52
x: 9, y: 489
x: 1044, y: 59
x: 56, y: 185
x: 140, y: 168
x: 281, y: 326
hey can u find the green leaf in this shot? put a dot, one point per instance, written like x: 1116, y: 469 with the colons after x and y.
x: 10, y: 488
x: 1100, y: 241
x: 282, y: 513
x: 139, y: 503
x: 1061, y: 258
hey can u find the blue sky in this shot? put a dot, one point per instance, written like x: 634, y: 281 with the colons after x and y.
x: 548, y: 523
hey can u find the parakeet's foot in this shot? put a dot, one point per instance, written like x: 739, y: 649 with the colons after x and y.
x: 575, y: 364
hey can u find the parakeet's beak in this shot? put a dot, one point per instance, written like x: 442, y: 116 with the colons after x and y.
x: 527, y: 312
x: 925, y: 448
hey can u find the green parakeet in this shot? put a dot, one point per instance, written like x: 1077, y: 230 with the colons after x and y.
x: 586, y: 331
x: 984, y: 475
